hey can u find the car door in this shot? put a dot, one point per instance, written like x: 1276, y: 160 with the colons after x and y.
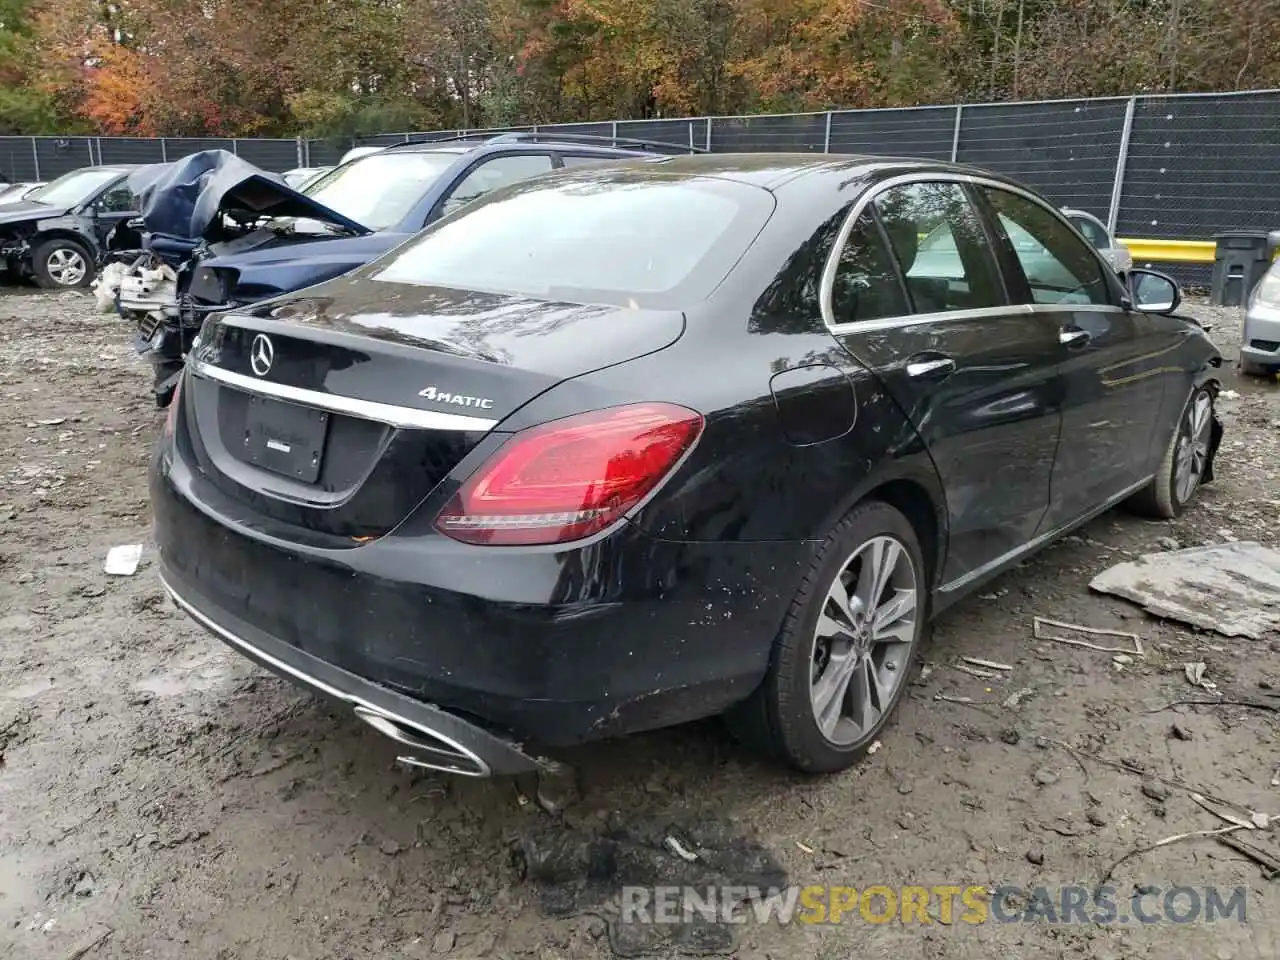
x: 976, y: 375
x: 1111, y: 358
x: 490, y: 173
x: 113, y: 206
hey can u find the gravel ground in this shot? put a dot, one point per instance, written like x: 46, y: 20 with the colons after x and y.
x: 161, y: 797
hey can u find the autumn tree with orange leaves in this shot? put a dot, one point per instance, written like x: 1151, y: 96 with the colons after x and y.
x: 283, y: 67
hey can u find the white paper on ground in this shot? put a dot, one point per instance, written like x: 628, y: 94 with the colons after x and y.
x: 123, y: 561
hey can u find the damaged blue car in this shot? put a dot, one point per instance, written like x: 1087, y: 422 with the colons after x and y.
x: 217, y: 232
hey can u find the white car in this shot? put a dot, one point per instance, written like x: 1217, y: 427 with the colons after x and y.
x: 299, y: 177
x: 17, y: 192
x: 356, y: 152
x: 1095, y: 231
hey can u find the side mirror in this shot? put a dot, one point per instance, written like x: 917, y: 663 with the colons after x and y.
x: 1152, y: 292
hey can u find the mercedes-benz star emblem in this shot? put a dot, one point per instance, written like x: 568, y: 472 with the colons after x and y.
x: 261, y: 354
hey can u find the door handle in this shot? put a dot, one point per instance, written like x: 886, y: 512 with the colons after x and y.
x: 1071, y: 337
x: 935, y: 368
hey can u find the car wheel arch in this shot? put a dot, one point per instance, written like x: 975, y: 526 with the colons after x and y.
x: 915, y: 493
x: 61, y: 233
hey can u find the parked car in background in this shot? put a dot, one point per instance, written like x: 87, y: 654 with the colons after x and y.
x: 280, y: 239
x: 1096, y: 232
x: 299, y: 177
x: 355, y: 153
x: 56, y: 232
x: 14, y: 192
x: 1260, y: 342
x: 623, y: 446
x: 938, y: 255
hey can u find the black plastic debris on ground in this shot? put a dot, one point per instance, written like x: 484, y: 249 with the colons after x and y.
x: 576, y: 872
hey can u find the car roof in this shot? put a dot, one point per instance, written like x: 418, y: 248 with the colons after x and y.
x: 772, y: 171
x: 489, y: 145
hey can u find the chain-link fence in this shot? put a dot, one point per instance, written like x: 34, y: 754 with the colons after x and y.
x: 1178, y: 167
x: 25, y: 159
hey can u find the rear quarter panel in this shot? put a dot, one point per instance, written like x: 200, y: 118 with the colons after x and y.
x: 748, y: 479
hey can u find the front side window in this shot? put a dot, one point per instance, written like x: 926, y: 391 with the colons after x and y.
x: 612, y: 235
x: 1059, y: 266
x: 119, y: 199
x: 495, y: 173
x: 866, y: 285
x: 940, y: 246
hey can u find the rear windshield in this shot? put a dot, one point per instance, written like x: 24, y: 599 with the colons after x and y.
x: 625, y: 237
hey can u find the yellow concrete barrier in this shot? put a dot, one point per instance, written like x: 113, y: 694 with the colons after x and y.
x: 1170, y: 251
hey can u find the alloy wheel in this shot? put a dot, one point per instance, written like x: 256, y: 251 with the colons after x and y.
x: 66, y: 266
x: 1193, y: 446
x: 863, y: 641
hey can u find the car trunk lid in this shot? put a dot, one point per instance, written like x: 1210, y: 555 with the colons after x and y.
x: 337, y: 420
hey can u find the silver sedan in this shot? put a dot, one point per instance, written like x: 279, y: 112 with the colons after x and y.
x: 1260, y: 342
x: 1096, y: 232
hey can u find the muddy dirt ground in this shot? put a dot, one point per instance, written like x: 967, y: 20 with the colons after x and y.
x: 161, y: 797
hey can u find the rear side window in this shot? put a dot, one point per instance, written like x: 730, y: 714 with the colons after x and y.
x: 616, y: 236
x: 866, y: 285
x: 941, y: 247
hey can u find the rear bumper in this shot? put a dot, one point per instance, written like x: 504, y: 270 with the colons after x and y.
x: 1260, y: 342
x: 434, y: 738
x: 499, y: 646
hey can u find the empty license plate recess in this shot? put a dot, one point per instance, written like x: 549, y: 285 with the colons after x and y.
x: 285, y: 438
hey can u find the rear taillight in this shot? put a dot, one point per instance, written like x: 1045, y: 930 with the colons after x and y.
x: 172, y: 414
x: 570, y: 478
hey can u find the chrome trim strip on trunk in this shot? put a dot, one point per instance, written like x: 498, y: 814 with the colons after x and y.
x: 364, y: 710
x: 393, y: 415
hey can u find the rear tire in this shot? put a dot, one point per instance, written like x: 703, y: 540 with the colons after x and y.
x: 1183, y: 465
x: 62, y: 264
x: 841, y: 661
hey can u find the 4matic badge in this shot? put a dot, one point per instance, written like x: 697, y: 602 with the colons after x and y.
x: 458, y: 399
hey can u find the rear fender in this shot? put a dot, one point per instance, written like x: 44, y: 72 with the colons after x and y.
x: 914, y: 472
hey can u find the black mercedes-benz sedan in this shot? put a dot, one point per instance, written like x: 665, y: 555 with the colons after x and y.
x: 623, y: 446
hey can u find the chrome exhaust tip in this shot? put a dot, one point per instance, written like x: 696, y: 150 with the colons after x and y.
x: 430, y: 750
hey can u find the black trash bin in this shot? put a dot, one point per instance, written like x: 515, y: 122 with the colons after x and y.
x: 1240, y: 259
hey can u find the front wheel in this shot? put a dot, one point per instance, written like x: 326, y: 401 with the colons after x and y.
x: 62, y: 264
x: 840, y: 663
x: 1185, y: 464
